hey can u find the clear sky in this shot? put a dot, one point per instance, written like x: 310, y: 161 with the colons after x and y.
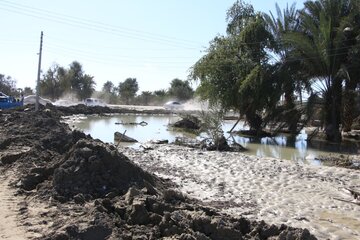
x: 153, y: 41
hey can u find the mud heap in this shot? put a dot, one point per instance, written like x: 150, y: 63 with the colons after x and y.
x: 97, y: 169
x: 89, y: 190
x: 83, y: 109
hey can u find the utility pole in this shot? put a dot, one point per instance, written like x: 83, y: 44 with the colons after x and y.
x: 38, y: 74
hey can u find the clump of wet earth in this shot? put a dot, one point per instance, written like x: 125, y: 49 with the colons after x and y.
x: 341, y: 160
x: 75, y: 187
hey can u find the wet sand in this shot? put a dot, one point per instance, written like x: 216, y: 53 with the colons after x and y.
x: 10, y: 226
x: 62, y: 184
x: 276, y: 191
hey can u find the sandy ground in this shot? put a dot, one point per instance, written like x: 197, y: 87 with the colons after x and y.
x: 62, y: 184
x: 276, y: 191
x: 11, y: 227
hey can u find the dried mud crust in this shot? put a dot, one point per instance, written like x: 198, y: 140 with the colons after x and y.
x: 79, y: 188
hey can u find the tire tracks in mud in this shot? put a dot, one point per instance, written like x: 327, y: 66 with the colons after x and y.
x: 10, y: 228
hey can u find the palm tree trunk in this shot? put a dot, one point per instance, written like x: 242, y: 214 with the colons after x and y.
x: 332, y: 114
x: 255, y: 121
x: 349, y: 103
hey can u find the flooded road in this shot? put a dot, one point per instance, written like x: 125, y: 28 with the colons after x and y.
x: 281, y: 147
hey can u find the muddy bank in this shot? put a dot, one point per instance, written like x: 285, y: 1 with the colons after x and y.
x: 341, y: 160
x: 74, y: 187
x: 323, y: 199
x: 82, y: 109
x: 89, y: 110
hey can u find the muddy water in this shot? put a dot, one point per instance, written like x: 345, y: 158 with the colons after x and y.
x: 281, y: 147
x: 104, y: 127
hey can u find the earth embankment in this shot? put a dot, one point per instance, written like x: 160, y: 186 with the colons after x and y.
x: 74, y: 187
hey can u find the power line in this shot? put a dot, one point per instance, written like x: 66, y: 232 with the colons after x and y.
x: 114, y: 58
x: 92, y: 25
x: 124, y: 59
x: 87, y: 21
x: 124, y: 63
x: 97, y: 26
x: 102, y: 46
x: 102, y: 53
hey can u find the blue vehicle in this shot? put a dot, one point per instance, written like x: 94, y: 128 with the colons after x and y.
x: 9, y: 102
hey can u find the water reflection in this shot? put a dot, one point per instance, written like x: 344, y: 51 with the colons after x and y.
x: 281, y: 147
x: 104, y: 128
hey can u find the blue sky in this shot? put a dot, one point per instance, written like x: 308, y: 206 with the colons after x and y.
x: 154, y: 41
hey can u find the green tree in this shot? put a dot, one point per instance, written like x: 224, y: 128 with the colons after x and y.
x: 180, y: 89
x: 288, y: 72
x: 86, y: 87
x: 59, y: 80
x: 159, y: 97
x: 160, y: 93
x: 320, y: 46
x: 128, y: 89
x: 235, y: 71
x: 352, y: 80
x: 82, y: 84
x: 145, y: 97
x: 27, y: 91
x: 108, y: 87
x: 7, y: 85
x: 64, y: 78
x: 109, y: 92
x: 50, y: 84
x: 238, y: 16
x: 352, y: 64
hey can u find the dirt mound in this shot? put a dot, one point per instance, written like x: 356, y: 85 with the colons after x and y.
x: 188, y: 122
x: 83, y: 109
x: 79, y: 188
x: 91, y: 167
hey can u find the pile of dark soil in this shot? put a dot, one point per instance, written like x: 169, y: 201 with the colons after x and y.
x: 188, y: 122
x: 92, y: 191
x: 88, y: 110
x: 83, y: 109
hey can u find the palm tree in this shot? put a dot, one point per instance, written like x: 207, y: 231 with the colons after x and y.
x: 287, y: 70
x: 352, y: 65
x: 321, y: 51
x: 352, y: 69
x: 87, y: 87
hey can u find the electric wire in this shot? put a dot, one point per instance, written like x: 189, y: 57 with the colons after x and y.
x: 115, y: 55
x: 120, y: 63
x: 112, y: 47
x: 85, y: 24
x: 98, y: 23
x: 101, y: 27
x: 95, y: 25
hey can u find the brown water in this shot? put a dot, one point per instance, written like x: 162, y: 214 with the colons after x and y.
x: 281, y: 147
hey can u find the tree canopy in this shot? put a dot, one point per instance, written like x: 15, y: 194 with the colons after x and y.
x: 235, y: 72
x: 180, y: 89
x: 7, y: 84
x: 128, y: 89
x: 58, y: 81
x: 264, y: 57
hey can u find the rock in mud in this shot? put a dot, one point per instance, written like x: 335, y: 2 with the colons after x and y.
x: 120, y: 137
